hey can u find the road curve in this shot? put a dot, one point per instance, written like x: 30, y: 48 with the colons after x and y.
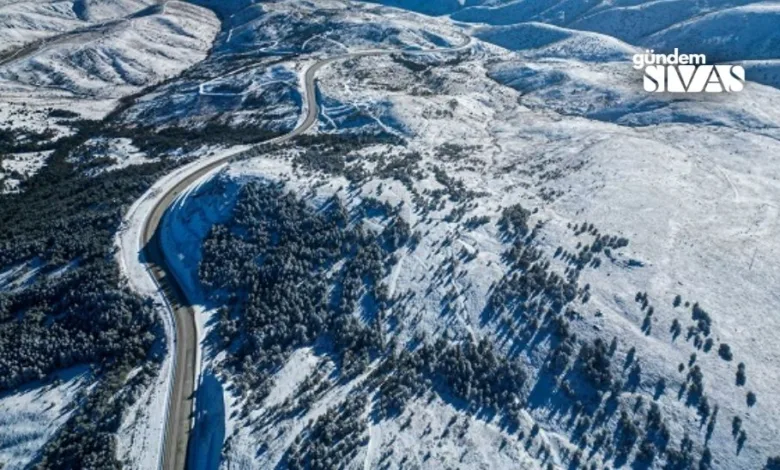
x: 180, y: 403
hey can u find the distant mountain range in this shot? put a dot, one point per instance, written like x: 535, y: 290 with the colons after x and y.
x: 726, y: 30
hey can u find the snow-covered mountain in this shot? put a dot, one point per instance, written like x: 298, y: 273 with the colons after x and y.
x: 65, y: 65
x: 726, y: 30
x: 537, y: 113
x: 104, y: 56
x: 501, y: 255
x: 80, y: 58
x: 22, y: 22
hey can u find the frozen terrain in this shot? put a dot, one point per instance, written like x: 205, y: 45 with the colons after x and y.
x: 82, y: 60
x: 731, y: 30
x: 556, y: 122
x: 560, y: 126
x: 65, y: 65
x: 31, y: 415
x: 16, y: 168
x: 117, y: 57
x: 24, y: 22
x: 652, y: 225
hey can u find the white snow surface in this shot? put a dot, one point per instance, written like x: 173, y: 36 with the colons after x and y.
x: 692, y: 183
x: 15, y: 168
x: 24, y: 21
x: 119, y: 153
x: 727, y: 30
x: 548, y: 41
x: 556, y: 121
x: 30, y: 415
x: 118, y: 57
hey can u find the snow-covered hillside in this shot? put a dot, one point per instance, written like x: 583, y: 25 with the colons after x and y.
x: 24, y: 22
x: 68, y: 61
x: 253, y: 78
x: 64, y: 66
x: 504, y: 256
x: 550, y: 42
x: 554, y: 121
x: 31, y: 415
x: 114, y: 58
x: 730, y: 30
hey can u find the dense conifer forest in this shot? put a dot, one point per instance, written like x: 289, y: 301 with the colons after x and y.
x: 74, y: 309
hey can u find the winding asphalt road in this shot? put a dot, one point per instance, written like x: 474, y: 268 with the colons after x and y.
x: 180, y: 405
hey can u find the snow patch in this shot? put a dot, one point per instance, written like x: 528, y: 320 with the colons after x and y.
x: 30, y: 415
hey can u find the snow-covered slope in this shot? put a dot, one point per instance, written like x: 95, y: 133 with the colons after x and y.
x: 438, y: 7
x: 725, y: 30
x: 64, y: 65
x: 118, y: 57
x: 547, y: 41
x: 31, y: 415
x: 750, y: 32
x: 612, y: 92
x: 543, y: 111
x: 253, y: 78
x: 555, y: 120
x: 68, y: 63
x: 16, y: 168
x: 23, y: 22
